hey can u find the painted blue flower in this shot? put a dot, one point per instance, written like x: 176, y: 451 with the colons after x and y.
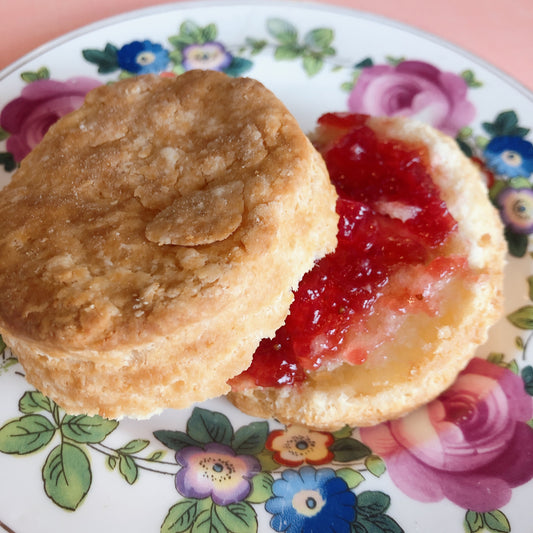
x: 142, y: 57
x: 208, y: 56
x: 516, y: 209
x: 310, y: 500
x: 510, y: 155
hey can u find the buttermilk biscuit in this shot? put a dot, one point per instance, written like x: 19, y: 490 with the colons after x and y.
x: 153, y: 238
x: 426, y: 352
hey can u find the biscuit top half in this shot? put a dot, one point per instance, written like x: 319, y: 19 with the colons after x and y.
x: 143, y: 208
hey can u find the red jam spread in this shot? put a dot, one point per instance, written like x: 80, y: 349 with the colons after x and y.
x: 392, y: 223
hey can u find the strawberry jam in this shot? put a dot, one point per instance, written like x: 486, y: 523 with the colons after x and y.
x: 392, y: 224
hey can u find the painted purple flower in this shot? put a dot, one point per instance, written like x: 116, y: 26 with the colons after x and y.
x: 509, y: 155
x: 40, y: 104
x: 215, y: 471
x: 472, y: 445
x: 207, y: 56
x: 415, y: 89
x: 143, y: 57
x: 516, y: 209
x: 311, y: 500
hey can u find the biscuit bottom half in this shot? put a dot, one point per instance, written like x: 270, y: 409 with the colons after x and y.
x: 359, y: 361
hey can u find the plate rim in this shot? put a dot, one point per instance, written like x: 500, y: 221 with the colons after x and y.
x: 307, y: 6
x: 310, y: 5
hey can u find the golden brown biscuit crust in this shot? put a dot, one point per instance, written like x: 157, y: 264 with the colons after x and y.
x: 154, y: 235
x: 404, y: 375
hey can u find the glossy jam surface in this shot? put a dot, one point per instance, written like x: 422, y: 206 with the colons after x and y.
x: 387, y: 263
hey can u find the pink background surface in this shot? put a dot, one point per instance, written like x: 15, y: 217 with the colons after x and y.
x: 498, y: 31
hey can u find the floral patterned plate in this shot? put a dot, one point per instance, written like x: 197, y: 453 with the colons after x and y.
x: 462, y: 463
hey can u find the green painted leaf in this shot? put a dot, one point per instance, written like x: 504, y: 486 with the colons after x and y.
x: 506, y: 123
x: 266, y: 458
x: 208, y: 521
x: 41, y: 74
x: 155, y: 456
x: 287, y: 52
x: 180, y: 517
x: 519, y: 182
x: 87, y: 429
x: 347, y: 86
x: 251, y: 439
x: 312, y: 64
x: 394, y: 61
x: 261, y: 488
x: 29, y: 77
x: 496, y: 521
x: 385, y: 524
x: 513, y: 367
x: 367, y: 62
x: 516, y: 242
x: 206, y: 426
x: 7, y: 363
x: 34, y: 402
x: 107, y: 59
x: 342, y: 433
x: 128, y: 468
x: 111, y: 462
x: 179, y: 42
x: 26, y: 434
x: 496, y: 358
x: 238, y: 516
x: 67, y: 476
x: 238, y: 66
x: 175, y: 440
x: 470, y: 79
x: 473, y: 522
x: 497, y: 188
x: 134, y: 446
x: 190, y: 31
x: 530, y: 286
x: 465, y: 147
x: 362, y: 526
x: 209, y: 33
x: 527, y: 376
x: 372, y: 503
x: 176, y: 56
x: 349, y: 449
x: 257, y: 45
x: 2, y: 343
x: 8, y: 162
x: 465, y: 133
x: 282, y: 30
x: 522, y: 318
x: 319, y: 39
x: 378, y: 524
x: 519, y: 342
x: 178, y: 70
x: 352, y: 477
x: 375, y: 465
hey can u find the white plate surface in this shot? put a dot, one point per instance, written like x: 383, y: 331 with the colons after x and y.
x: 92, y: 475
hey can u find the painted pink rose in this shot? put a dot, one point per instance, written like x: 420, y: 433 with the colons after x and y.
x: 40, y: 104
x: 472, y: 445
x: 414, y: 89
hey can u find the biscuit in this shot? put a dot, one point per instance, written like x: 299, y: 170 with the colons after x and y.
x: 427, y: 351
x: 153, y: 238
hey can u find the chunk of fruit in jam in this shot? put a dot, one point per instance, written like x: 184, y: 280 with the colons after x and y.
x: 392, y: 224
